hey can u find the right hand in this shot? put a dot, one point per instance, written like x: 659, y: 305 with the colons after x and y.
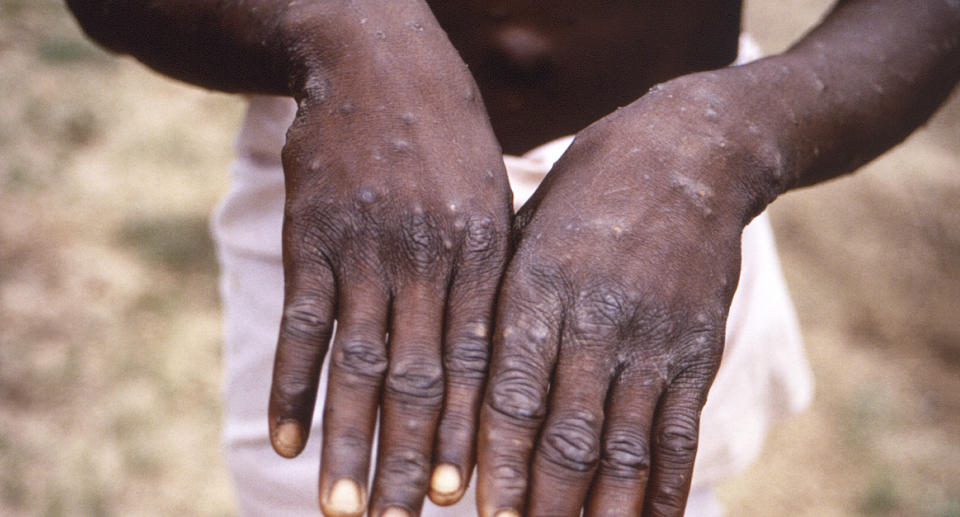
x: 396, y: 224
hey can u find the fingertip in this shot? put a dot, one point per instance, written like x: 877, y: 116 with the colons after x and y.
x: 287, y: 438
x: 345, y: 499
x: 488, y: 510
x: 395, y: 511
x: 446, y: 485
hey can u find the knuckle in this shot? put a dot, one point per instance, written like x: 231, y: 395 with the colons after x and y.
x: 313, y: 231
x: 572, y: 442
x: 484, y: 239
x: 361, y: 358
x: 420, y: 242
x: 305, y: 318
x: 539, y: 273
x: 605, y: 303
x: 677, y: 438
x: 291, y: 388
x: 601, y: 313
x: 467, y: 356
x: 416, y: 381
x: 405, y: 465
x: 509, y: 474
x: 697, y: 357
x: 517, y: 395
x: 626, y: 453
x: 357, y: 442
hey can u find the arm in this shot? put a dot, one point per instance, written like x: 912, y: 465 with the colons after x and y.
x: 855, y: 86
x: 395, y: 222
x: 612, y: 312
x: 250, y: 46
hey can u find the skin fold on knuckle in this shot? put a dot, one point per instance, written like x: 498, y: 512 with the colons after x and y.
x: 507, y: 473
x: 467, y: 356
x: 421, y: 244
x: 311, y: 228
x: 571, y: 442
x: 515, y: 395
x: 608, y: 309
x: 484, y: 242
x: 677, y: 438
x: 290, y: 390
x: 361, y: 359
x: 626, y: 453
x: 696, y: 359
x: 416, y: 381
x: 304, y: 318
x: 537, y: 276
x: 404, y: 468
x: 345, y: 449
x: 600, y: 316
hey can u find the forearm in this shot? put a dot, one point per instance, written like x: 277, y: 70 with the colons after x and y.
x: 858, y: 84
x: 254, y: 46
x: 236, y: 46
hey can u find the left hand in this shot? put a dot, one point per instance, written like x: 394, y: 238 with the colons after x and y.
x: 611, y: 316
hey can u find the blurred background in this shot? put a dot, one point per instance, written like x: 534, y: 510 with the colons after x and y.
x: 109, y: 317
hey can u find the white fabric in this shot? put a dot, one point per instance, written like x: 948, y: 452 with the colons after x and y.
x: 763, y: 376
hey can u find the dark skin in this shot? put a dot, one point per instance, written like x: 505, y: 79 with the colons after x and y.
x: 571, y: 360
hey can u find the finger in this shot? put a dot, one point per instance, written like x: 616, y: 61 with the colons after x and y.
x: 568, y: 450
x: 412, y: 398
x: 466, y: 353
x: 618, y: 487
x: 524, y: 352
x: 675, y: 435
x: 305, y: 329
x: 357, y: 367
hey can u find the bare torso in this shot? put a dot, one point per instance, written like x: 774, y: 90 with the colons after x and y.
x: 549, y: 68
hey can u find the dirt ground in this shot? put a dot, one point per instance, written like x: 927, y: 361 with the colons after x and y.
x: 109, y: 317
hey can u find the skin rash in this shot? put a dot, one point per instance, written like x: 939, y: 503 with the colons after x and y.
x: 567, y: 350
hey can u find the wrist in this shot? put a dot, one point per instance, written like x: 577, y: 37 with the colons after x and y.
x: 367, y: 44
x: 730, y: 132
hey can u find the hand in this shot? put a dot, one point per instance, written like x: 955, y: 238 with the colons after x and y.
x: 610, y: 322
x: 396, y: 224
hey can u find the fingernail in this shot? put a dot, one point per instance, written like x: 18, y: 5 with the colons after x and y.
x: 446, y: 485
x: 394, y: 511
x: 507, y: 513
x: 288, y: 438
x: 344, y: 498
x: 446, y: 479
